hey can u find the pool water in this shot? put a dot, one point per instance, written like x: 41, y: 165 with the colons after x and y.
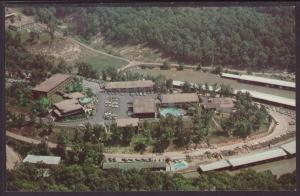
x: 85, y: 100
x: 172, y: 111
x: 180, y: 165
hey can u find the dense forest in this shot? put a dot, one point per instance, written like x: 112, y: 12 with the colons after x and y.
x: 245, y: 37
x: 91, y: 178
x: 81, y: 170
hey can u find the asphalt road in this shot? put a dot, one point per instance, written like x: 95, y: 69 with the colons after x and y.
x: 280, y: 129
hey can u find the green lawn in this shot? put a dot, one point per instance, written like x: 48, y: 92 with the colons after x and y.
x: 100, y: 62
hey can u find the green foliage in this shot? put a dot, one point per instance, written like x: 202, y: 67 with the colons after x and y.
x: 89, y: 92
x: 247, y: 117
x: 180, y: 67
x: 241, y: 36
x: 86, y: 70
x: 288, y: 181
x: 226, y: 90
x: 76, y: 85
x: 140, y: 146
x: 218, y: 70
x: 166, y: 65
x: 89, y: 177
x: 169, y: 84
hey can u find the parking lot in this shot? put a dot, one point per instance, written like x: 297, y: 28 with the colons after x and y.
x: 114, y: 104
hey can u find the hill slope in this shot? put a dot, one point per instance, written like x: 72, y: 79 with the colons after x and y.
x: 241, y: 37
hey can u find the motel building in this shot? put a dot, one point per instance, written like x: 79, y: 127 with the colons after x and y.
x: 66, y: 108
x: 130, y: 86
x: 181, y: 100
x: 223, y: 105
x: 44, y: 163
x: 261, y: 81
x: 57, y: 82
x: 128, y: 122
x: 254, y: 158
x: 144, y: 107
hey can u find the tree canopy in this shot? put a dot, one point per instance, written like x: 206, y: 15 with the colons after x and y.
x: 247, y: 37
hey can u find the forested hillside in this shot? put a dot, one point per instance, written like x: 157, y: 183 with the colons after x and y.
x: 242, y: 37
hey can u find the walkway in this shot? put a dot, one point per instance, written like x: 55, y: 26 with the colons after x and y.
x: 12, y: 158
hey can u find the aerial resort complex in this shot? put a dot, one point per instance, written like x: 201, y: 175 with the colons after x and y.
x: 131, y: 99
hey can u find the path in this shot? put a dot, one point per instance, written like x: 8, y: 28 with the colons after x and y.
x: 12, y: 158
x: 280, y: 129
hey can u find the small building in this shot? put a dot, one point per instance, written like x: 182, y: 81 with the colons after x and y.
x: 156, y: 166
x: 130, y: 86
x: 144, y: 107
x: 125, y: 122
x: 219, y: 104
x: 177, y: 83
x: 48, y: 160
x: 57, y: 82
x: 261, y: 81
x: 67, y: 108
x: 178, y: 99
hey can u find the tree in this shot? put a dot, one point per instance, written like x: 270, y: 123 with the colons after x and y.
x: 62, y: 142
x: 226, y: 90
x: 140, y: 146
x: 199, y: 67
x: 218, y: 70
x: 166, y: 65
x: 186, y: 87
x: 89, y: 92
x: 169, y: 84
x: 42, y: 105
x: 180, y: 67
x: 104, y: 76
x: 288, y: 181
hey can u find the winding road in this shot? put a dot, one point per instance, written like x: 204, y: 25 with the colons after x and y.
x: 280, y: 129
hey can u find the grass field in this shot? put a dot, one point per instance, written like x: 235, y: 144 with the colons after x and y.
x: 201, y: 77
x: 100, y: 61
x: 96, y: 60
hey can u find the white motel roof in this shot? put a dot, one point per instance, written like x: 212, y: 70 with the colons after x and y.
x: 214, y: 165
x: 289, y: 147
x: 228, y: 75
x: 269, y: 97
x: 260, y: 79
x: 256, y: 157
x: 268, y: 81
x: 51, y: 160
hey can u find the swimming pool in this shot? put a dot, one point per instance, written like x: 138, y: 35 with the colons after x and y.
x: 172, y: 111
x: 180, y: 165
x: 85, y: 100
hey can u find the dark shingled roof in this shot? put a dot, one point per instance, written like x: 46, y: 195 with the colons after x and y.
x: 51, y: 82
x: 144, y: 105
x: 179, y: 98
